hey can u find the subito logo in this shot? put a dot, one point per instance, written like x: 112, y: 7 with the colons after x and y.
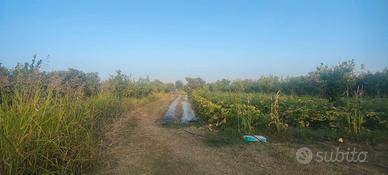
x: 304, y: 155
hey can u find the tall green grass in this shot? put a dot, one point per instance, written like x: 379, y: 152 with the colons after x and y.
x: 42, y: 132
x: 52, y: 122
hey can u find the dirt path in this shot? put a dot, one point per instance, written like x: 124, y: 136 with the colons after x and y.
x: 139, y: 144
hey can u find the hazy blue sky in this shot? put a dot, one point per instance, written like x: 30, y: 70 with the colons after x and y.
x: 212, y: 39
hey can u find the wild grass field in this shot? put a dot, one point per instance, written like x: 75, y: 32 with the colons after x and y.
x: 51, y: 122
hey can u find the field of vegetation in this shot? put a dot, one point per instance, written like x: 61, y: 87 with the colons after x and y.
x: 327, y: 104
x: 51, y: 122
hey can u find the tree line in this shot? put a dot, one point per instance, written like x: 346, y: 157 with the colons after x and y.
x: 77, y: 82
x: 331, y: 82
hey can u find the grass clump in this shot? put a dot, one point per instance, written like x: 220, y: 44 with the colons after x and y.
x: 42, y: 132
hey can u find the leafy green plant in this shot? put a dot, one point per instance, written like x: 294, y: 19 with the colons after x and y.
x: 307, y: 114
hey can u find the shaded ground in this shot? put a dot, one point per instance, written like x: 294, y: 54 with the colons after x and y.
x: 138, y: 144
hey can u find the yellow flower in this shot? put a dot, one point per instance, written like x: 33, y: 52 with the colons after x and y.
x: 341, y: 140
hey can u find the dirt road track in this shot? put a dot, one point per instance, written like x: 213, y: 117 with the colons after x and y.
x: 138, y: 144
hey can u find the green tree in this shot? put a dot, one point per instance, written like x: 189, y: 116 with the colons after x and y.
x: 179, y: 84
x: 120, y: 83
x: 194, y: 83
x: 336, y: 81
x: 170, y: 87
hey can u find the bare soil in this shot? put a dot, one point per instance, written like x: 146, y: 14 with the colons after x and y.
x: 138, y: 144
